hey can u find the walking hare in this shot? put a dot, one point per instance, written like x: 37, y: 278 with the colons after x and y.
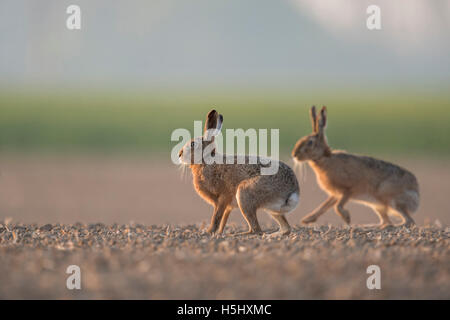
x: 383, y: 186
x: 228, y: 186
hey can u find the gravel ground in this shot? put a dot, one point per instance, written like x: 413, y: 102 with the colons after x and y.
x: 182, y: 262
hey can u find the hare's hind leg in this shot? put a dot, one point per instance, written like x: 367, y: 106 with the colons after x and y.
x: 285, y: 228
x: 407, y: 220
x: 248, y: 207
x: 327, y: 204
x: 252, y: 221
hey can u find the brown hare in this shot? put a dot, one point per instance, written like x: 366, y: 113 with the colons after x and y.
x: 228, y: 186
x: 383, y: 186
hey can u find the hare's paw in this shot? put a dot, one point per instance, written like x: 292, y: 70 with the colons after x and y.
x: 248, y: 233
x: 408, y: 224
x: 279, y: 233
x: 309, y: 219
x: 386, y: 226
x: 210, y: 230
x: 345, y: 215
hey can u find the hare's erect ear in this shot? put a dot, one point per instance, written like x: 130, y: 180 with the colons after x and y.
x: 323, y: 120
x: 213, y: 125
x: 211, y: 120
x: 219, y: 123
x: 313, y: 118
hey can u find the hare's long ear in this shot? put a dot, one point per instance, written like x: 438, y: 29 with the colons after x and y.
x: 219, y: 123
x: 322, y: 123
x: 312, y: 112
x: 211, y: 120
x: 213, y: 125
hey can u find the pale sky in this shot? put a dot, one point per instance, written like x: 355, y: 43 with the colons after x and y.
x: 175, y: 42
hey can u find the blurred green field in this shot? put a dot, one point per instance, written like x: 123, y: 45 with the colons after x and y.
x: 396, y: 122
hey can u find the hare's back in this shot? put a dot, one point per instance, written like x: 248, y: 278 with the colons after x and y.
x: 388, y: 171
x: 282, y: 183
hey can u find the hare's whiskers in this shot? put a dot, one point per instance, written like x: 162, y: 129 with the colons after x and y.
x: 183, y: 171
x: 300, y: 169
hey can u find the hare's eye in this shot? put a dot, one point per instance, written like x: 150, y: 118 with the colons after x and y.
x: 192, y: 144
x: 309, y: 144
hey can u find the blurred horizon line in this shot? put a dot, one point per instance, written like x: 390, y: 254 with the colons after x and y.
x: 210, y: 88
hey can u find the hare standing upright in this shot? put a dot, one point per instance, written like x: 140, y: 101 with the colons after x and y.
x: 383, y: 186
x: 227, y: 186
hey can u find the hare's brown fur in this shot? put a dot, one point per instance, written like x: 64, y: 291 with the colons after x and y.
x: 385, y: 187
x: 228, y: 186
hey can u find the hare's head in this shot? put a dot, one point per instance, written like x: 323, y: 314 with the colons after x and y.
x: 198, y: 149
x: 313, y: 146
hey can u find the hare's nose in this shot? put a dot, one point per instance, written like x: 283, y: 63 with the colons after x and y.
x: 180, y: 153
x: 294, y: 153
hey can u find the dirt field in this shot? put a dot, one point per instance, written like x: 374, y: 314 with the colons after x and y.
x: 150, y: 244
x: 181, y: 262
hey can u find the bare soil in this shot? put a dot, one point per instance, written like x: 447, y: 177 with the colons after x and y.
x: 182, y: 262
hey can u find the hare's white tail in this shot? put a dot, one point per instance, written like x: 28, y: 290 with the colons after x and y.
x: 292, y: 201
x: 283, y: 205
x: 409, y: 200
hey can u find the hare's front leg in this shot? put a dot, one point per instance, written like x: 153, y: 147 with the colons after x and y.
x: 223, y: 223
x: 384, y: 218
x: 344, y: 214
x: 219, y: 210
x: 327, y: 204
